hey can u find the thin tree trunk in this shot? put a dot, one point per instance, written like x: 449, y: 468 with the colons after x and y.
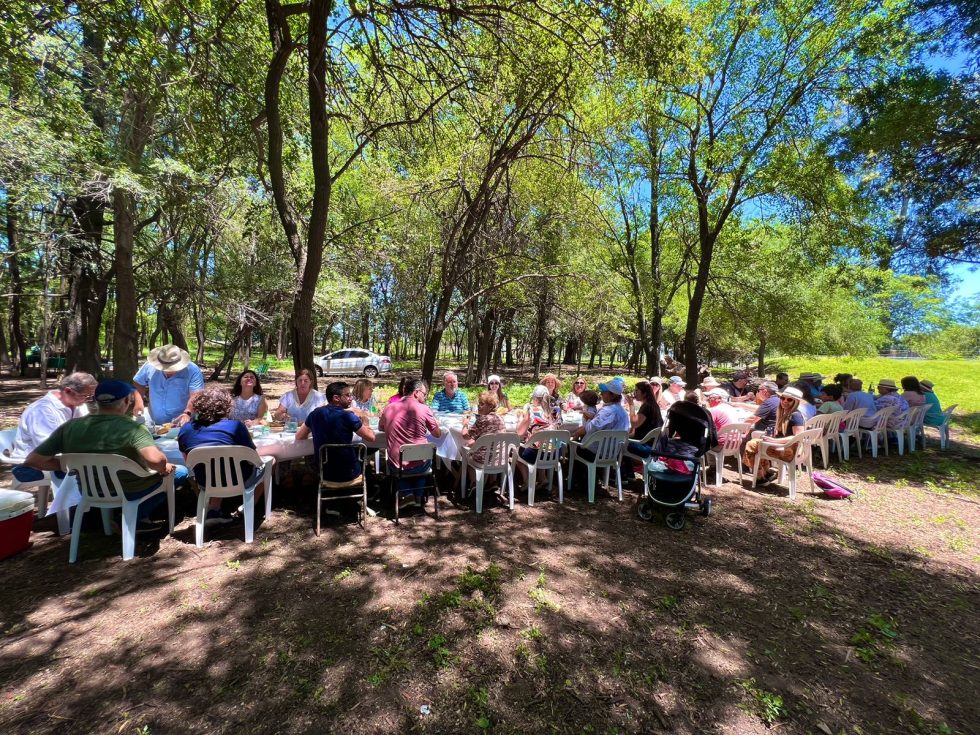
x: 16, y: 287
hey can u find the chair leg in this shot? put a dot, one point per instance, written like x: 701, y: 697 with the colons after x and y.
x: 619, y: 482
x: 130, y: 509
x: 571, y: 467
x: 202, y: 512
x: 791, y: 471
x: 591, y: 482
x: 462, y: 481
x: 605, y: 482
x: 479, y: 491
x: 719, y: 470
x: 825, y: 452
x: 510, y: 482
x: 738, y: 456
x: 755, y: 466
x: 561, y: 487
x: 64, y: 522
x: 76, y: 533
x: 532, y: 481
x: 42, y: 500
x: 249, y: 510
x: 106, y: 521
x: 171, y: 503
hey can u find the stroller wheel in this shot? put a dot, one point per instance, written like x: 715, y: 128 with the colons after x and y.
x: 706, y: 507
x: 675, y: 521
x: 644, y: 509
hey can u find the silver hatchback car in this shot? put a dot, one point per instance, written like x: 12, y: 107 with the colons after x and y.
x: 350, y: 361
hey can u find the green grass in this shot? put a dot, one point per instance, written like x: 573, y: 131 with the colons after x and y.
x: 955, y: 380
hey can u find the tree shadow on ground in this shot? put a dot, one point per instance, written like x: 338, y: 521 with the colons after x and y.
x: 559, y: 618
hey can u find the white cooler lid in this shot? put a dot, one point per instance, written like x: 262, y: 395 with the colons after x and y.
x: 14, y: 503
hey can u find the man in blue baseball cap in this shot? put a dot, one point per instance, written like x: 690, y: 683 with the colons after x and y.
x: 111, y: 431
x: 612, y: 416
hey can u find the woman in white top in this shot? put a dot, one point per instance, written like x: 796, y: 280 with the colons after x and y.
x: 574, y: 400
x: 248, y: 403
x: 300, y: 402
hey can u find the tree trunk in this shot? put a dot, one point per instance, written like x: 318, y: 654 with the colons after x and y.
x: 16, y: 288
x: 571, y: 350
x: 125, y: 347
x: 697, y: 300
x: 762, y: 356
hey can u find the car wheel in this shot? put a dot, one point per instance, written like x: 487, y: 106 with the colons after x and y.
x: 370, y: 371
x: 319, y: 371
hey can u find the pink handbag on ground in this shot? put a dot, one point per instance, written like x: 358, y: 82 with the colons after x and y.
x: 831, y: 488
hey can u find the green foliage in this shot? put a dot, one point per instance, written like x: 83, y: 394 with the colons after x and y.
x: 766, y: 705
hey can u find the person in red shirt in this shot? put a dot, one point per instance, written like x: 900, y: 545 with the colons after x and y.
x: 409, y: 421
x: 721, y: 413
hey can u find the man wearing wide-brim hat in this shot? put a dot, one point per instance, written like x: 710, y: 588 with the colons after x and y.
x: 813, y: 383
x: 888, y: 396
x: 171, y: 381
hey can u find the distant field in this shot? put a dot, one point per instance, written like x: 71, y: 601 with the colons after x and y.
x: 956, y: 380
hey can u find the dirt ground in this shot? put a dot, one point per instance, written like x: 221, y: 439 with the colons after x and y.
x: 813, y: 616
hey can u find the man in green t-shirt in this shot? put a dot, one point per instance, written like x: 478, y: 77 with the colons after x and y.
x: 111, y: 431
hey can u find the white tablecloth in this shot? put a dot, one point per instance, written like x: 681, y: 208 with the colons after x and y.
x: 284, y: 447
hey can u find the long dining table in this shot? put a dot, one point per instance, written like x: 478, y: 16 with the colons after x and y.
x: 284, y: 447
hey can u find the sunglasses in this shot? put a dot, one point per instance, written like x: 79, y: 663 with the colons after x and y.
x: 579, y: 382
x: 494, y: 382
x: 787, y: 398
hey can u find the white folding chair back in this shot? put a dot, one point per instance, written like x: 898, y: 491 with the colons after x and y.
x: 879, y: 432
x: 901, y: 430
x: 913, y: 424
x: 802, y: 458
x: 549, y: 445
x: 41, y: 488
x: 730, y: 438
x: 943, y: 428
x: 100, y: 487
x: 607, y: 446
x: 829, y: 425
x: 650, y: 439
x: 497, y: 460
x: 417, y: 453
x: 224, y: 478
x: 851, y: 430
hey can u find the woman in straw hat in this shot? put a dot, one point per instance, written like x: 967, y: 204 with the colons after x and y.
x: 789, y: 423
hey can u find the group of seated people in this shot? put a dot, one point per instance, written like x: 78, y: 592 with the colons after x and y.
x: 171, y: 388
x: 783, y: 408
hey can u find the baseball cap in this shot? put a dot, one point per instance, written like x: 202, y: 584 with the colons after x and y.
x: 677, y: 380
x: 616, y: 385
x: 111, y: 390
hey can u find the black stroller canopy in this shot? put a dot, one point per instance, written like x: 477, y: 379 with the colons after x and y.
x: 690, y: 424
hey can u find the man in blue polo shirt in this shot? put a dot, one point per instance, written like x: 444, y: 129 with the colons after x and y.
x: 171, y: 380
x: 335, y: 424
x: 450, y: 399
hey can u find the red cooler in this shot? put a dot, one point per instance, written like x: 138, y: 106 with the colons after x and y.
x: 16, y: 519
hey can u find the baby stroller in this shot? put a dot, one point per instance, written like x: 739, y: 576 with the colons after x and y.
x: 688, y: 433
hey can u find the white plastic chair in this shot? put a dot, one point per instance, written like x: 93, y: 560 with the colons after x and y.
x: 730, y: 438
x: 802, y: 459
x: 943, y: 428
x: 416, y: 453
x: 913, y: 425
x: 42, y: 488
x: 223, y: 478
x: 829, y: 425
x: 100, y: 487
x: 851, y: 430
x: 649, y: 439
x: 879, y: 432
x: 549, y: 446
x: 607, y: 446
x: 497, y: 460
x: 901, y: 430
